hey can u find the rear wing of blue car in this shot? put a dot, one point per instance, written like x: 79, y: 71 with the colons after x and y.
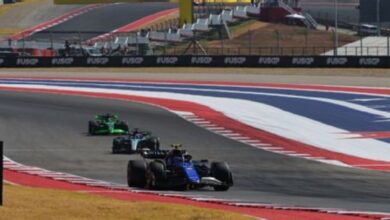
x: 160, y: 154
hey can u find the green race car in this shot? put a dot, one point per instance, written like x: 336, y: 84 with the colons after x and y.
x: 107, y: 124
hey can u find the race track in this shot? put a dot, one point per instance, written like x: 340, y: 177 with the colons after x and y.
x: 100, y: 21
x: 49, y: 131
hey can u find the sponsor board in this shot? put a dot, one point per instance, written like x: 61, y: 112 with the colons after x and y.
x: 132, y: 60
x: 201, y: 61
x: 235, y: 60
x: 27, y: 61
x: 369, y: 61
x: 99, y: 61
x: 302, y: 61
x: 62, y: 61
x: 336, y: 61
x: 167, y: 60
x: 274, y: 61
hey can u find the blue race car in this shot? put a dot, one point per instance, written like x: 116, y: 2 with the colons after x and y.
x: 136, y: 141
x: 175, y: 169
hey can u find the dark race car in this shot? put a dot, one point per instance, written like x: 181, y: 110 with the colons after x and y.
x: 175, y: 169
x: 135, y: 141
x: 107, y: 124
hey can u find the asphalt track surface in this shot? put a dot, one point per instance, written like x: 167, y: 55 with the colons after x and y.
x: 49, y: 131
x: 101, y: 21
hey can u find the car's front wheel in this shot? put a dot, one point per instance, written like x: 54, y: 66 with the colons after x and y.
x: 221, y: 171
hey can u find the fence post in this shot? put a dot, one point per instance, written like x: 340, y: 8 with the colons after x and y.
x: 51, y: 40
x: 306, y: 39
x: 80, y: 44
x: 165, y: 43
x: 278, y: 40
x: 250, y: 42
x: 388, y: 46
x: 1, y: 172
x: 221, y: 37
x: 136, y: 44
x: 24, y: 46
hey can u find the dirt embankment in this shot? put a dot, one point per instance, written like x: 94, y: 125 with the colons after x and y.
x: 261, y: 38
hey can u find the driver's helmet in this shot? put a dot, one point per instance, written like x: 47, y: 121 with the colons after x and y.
x: 108, y: 116
x: 135, y: 132
x: 176, y: 154
x: 137, y: 135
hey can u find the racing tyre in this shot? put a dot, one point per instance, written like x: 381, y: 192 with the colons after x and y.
x: 155, y: 175
x: 136, y: 173
x: 221, y: 171
x: 115, y: 147
x: 122, y: 125
x: 91, y: 127
x: 152, y: 144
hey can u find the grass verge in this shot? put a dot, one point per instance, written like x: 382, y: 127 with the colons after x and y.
x: 34, y: 203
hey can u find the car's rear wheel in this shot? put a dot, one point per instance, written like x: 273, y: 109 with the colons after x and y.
x: 152, y: 144
x: 91, y: 127
x: 136, y: 173
x: 155, y: 175
x: 122, y: 125
x: 221, y: 171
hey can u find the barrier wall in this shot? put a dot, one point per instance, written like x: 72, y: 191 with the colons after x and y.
x: 198, y: 61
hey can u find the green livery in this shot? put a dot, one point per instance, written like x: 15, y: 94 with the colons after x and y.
x: 107, y: 124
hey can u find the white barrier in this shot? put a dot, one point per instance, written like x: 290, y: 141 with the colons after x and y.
x: 202, y: 24
x: 253, y: 10
x: 240, y: 12
x: 227, y: 16
x: 186, y: 31
x: 215, y: 20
